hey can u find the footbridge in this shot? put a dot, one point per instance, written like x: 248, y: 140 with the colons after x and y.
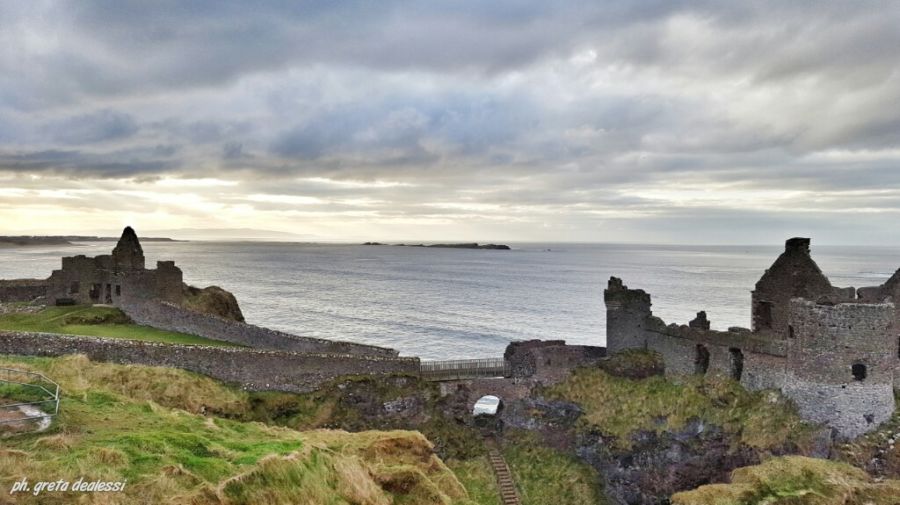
x: 464, y: 369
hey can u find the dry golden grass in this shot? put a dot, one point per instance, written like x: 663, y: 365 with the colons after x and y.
x: 796, y: 480
x: 142, y: 424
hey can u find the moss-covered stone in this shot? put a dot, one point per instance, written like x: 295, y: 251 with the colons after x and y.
x: 633, y: 364
x: 212, y: 300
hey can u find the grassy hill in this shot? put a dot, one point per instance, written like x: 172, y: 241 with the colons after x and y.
x: 145, y: 425
x: 178, y: 437
x: 108, y: 322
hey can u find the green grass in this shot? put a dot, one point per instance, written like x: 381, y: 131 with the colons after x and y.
x: 634, y: 364
x: 547, y: 477
x: 17, y: 393
x: 107, y: 322
x: 478, y: 478
x: 619, y: 406
x: 125, y: 408
x: 795, y: 480
x: 120, y: 422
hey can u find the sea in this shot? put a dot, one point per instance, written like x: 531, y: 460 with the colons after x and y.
x: 463, y: 303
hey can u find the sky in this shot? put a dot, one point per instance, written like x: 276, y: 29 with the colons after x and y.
x: 658, y: 121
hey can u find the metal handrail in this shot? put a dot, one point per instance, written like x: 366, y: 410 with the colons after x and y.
x: 41, y: 384
x: 464, y: 369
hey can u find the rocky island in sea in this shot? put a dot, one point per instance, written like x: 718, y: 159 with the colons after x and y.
x: 468, y: 245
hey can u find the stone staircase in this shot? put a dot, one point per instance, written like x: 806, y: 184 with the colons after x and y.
x: 505, y: 484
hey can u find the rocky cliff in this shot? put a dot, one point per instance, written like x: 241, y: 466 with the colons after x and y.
x: 212, y: 300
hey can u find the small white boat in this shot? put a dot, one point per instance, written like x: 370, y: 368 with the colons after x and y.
x: 486, y: 406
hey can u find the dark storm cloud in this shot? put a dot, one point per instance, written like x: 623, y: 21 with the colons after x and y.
x: 91, y: 128
x: 79, y: 164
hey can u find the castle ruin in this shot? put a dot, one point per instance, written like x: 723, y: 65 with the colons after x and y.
x: 115, y: 279
x: 834, y: 351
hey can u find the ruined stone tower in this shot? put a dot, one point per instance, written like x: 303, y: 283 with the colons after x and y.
x: 840, y: 364
x: 627, y: 314
x: 128, y: 253
x: 793, y: 275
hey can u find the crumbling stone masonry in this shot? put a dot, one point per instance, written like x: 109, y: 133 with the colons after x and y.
x: 834, y: 351
x: 115, y: 278
x: 549, y: 359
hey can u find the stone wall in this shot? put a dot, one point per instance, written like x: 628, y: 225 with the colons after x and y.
x: 827, y: 340
x: 520, y: 356
x: 691, y: 348
x: 555, y: 363
x: 677, y: 353
x: 850, y: 409
x: 170, y: 317
x: 22, y: 290
x: 754, y: 364
x: 549, y: 359
x: 251, y: 369
x: 764, y: 371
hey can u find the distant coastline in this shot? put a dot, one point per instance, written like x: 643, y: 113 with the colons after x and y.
x: 35, y: 240
x: 473, y: 245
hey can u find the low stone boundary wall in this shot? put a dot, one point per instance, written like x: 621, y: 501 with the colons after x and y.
x: 170, y: 317
x: 251, y: 369
x: 22, y: 290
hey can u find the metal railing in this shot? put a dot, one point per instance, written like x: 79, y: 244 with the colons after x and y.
x: 26, y: 396
x: 464, y: 369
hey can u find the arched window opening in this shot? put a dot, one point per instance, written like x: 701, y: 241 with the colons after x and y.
x: 701, y: 360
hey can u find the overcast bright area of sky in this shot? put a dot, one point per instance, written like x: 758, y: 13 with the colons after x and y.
x: 613, y: 121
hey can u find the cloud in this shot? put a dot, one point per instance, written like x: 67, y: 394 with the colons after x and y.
x: 562, y: 116
x: 101, y: 126
x: 80, y: 164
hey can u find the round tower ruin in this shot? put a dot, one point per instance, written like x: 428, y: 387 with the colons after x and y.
x: 840, y: 363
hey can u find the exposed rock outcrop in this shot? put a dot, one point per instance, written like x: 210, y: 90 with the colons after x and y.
x: 658, y: 465
x: 212, y: 300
